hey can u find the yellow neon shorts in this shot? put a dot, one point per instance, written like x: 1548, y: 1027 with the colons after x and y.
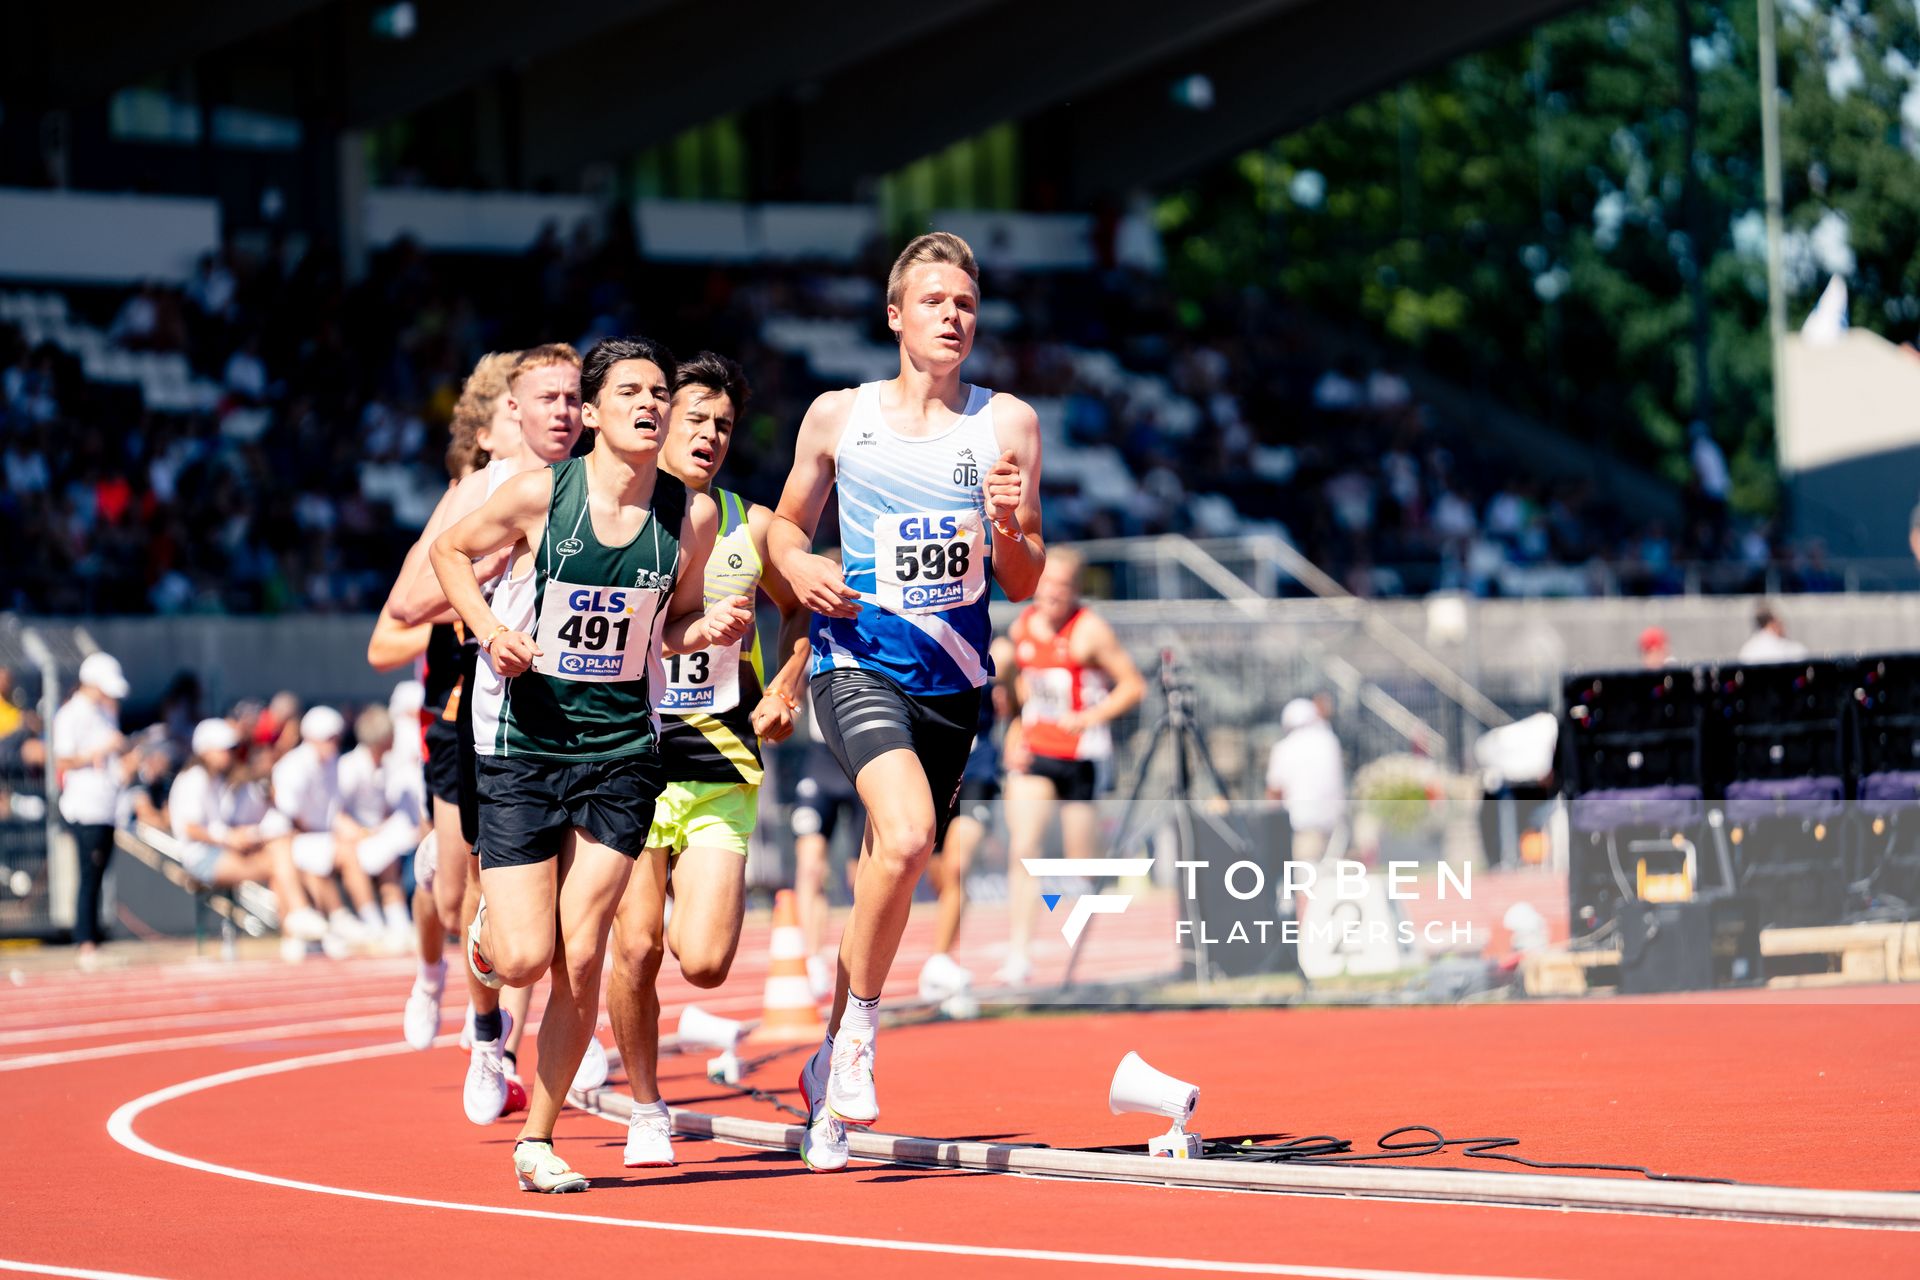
x: 706, y: 815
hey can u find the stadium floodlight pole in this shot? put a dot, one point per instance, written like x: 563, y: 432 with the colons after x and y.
x: 1770, y: 158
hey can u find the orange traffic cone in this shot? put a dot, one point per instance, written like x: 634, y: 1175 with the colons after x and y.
x: 790, y: 1015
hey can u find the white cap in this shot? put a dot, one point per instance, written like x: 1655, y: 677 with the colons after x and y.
x: 322, y: 723
x: 214, y: 735
x: 1298, y: 714
x: 102, y: 671
x: 407, y: 699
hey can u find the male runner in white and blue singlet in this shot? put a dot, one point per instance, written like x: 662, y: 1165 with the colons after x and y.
x: 938, y: 485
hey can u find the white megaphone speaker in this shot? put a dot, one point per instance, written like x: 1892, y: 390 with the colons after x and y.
x: 704, y: 1030
x: 1138, y: 1087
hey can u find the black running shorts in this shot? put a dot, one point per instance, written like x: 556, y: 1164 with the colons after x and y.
x: 442, y: 764
x: 468, y: 756
x: 1073, y: 780
x: 528, y: 805
x: 864, y: 715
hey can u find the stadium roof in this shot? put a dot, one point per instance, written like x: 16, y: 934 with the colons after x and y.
x: 859, y: 88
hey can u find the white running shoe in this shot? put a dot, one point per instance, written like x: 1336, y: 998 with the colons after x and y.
x: 482, y: 968
x: 304, y: 925
x: 649, y: 1137
x: 941, y: 976
x: 345, y: 925
x: 539, y: 1168
x: 850, y: 1094
x: 485, y: 1095
x: 820, y: 976
x: 421, y: 1021
x: 1015, y: 972
x: 823, y: 1143
x: 592, y: 1071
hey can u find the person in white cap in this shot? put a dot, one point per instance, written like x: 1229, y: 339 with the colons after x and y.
x: 381, y: 816
x: 206, y: 810
x: 306, y: 799
x: 1305, y: 773
x: 89, y: 754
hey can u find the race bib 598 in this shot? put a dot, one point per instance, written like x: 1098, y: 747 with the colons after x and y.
x: 928, y: 561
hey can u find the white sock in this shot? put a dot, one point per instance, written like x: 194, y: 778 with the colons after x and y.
x: 658, y: 1106
x: 860, y: 1017
x: 397, y: 917
x: 370, y: 916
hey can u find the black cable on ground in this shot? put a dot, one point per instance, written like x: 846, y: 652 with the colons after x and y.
x: 1325, y: 1149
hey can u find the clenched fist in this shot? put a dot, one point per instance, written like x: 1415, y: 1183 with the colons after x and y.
x: 1004, y: 489
x: 773, y: 719
x: 728, y: 620
x: 513, y: 652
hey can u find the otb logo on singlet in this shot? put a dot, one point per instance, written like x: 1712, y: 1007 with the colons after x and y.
x: 966, y: 470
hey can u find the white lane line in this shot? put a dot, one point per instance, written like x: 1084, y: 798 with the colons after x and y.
x: 62, y: 1057
x: 120, y: 1128
x: 210, y: 1018
x: 246, y: 1035
x: 18, y: 1005
x: 81, y: 1273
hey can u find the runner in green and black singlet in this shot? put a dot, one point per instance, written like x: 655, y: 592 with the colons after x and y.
x: 608, y: 563
x: 596, y: 612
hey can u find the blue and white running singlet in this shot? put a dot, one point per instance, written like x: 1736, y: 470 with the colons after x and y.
x: 915, y: 544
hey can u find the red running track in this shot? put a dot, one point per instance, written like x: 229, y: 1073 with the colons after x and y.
x: 1819, y: 1090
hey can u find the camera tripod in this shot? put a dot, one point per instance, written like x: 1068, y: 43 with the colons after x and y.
x: 1180, y: 727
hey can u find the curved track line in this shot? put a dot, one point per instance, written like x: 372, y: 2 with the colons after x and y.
x: 43, y: 1269
x: 120, y: 1128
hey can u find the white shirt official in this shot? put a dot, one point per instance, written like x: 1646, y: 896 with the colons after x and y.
x: 1306, y: 769
x: 89, y: 794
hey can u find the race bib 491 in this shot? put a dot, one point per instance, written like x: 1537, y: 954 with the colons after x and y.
x: 593, y: 633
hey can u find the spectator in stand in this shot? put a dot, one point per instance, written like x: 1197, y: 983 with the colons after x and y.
x: 208, y: 813
x: 151, y: 768
x: 1769, y: 641
x: 381, y: 817
x: 277, y: 726
x: 1306, y: 774
x: 306, y: 801
x: 11, y: 717
x: 88, y: 752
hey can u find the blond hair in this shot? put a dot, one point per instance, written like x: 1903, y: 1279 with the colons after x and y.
x: 935, y: 246
x: 474, y: 410
x: 540, y: 357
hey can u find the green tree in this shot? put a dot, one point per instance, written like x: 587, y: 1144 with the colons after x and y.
x: 1572, y: 220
